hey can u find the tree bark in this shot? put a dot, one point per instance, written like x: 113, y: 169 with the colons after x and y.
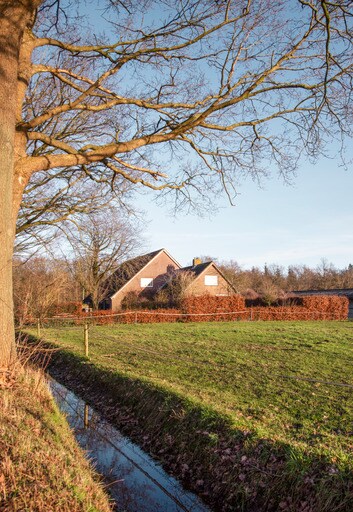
x: 14, y: 17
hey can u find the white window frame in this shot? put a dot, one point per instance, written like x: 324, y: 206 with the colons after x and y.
x: 211, y: 280
x: 146, y: 282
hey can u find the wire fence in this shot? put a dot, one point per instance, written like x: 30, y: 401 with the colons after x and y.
x: 143, y: 317
x: 156, y: 316
x: 138, y: 315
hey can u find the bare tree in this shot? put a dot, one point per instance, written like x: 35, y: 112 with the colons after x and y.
x: 40, y: 284
x: 244, y: 86
x: 273, y: 281
x: 54, y: 197
x: 99, y: 244
x: 237, y: 277
x: 177, y: 286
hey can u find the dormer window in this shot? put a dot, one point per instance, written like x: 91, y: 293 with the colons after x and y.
x: 211, y: 280
x: 146, y: 282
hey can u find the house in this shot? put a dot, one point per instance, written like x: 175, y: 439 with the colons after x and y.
x: 150, y: 273
x: 202, y: 278
x: 143, y: 276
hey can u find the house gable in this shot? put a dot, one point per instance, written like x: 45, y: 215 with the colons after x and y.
x: 147, y: 279
x: 208, y: 279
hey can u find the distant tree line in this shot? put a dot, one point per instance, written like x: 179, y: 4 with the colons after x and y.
x: 275, y: 281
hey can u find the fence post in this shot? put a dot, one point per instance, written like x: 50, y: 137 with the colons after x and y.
x: 135, y: 317
x: 38, y: 328
x: 251, y: 314
x: 85, y: 416
x: 85, y: 335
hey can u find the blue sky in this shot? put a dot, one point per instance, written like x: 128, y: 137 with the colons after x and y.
x: 297, y: 224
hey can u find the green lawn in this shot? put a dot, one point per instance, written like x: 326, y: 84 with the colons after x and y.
x: 285, y: 381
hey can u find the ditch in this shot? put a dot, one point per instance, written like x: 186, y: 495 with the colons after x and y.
x: 135, y: 482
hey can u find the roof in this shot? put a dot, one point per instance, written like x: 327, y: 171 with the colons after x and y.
x: 347, y: 292
x: 201, y: 267
x: 127, y: 270
x: 196, y: 269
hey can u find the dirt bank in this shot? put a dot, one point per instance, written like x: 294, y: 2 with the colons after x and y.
x: 41, y: 466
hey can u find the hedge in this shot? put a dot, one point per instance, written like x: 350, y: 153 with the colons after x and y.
x: 207, y: 305
x: 106, y: 317
x: 311, y: 307
x: 210, y: 308
x: 331, y: 307
x: 151, y: 316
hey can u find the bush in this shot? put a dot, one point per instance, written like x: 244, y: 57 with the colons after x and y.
x: 205, y: 305
x: 260, y: 302
x: 329, y: 307
x: 67, y: 308
x: 101, y: 317
x: 152, y: 316
x: 310, y: 307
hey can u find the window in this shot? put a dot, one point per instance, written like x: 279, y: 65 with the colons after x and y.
x: 211, y: 280
x: 146, y: 282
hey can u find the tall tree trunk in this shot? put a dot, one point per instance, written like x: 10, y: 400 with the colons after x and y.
x: 14, y: 17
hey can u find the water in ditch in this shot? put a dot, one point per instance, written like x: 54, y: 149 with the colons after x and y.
x: 134, y: 480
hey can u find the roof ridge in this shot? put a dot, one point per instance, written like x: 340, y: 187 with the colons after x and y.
x: 141, y: 256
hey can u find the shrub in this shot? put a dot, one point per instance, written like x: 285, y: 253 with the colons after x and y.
x: 101, y: 317
x: 327, y: 307
x: 148, y: 316
x: 310, y: 307
x: 205, y: 305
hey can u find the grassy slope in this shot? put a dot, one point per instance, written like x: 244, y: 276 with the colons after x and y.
x: 248, y: 371
x: 41, y: 467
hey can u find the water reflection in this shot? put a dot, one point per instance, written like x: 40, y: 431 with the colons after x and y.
x: 134, y: 480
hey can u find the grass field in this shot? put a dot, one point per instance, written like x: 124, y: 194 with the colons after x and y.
x: 290, y: 382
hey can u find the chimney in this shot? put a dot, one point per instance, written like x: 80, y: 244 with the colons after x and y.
x: 196, y: 261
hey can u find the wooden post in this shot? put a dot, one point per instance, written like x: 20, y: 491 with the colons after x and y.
x: 38, y: 328
x: 85, y: 417
x: 85, y: 334
x: 135, y: 317
x: 251, y: 314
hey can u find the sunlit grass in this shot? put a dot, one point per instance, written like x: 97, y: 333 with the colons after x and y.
x: 285, y: 381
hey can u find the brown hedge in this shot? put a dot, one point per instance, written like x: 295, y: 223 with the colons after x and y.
x: 150, y: 316
x: 210, y: 308
x: 331, y: 307
x: 106, y: 317
x: 313, y: 307
x: 207, y: 308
